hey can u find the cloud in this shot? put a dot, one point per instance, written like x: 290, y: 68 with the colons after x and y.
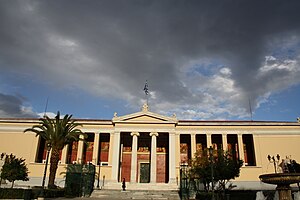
x: 198, y: 56
x: 12, y: 106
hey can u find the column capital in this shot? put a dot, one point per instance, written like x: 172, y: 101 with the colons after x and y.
x: 153, y: 134
x: 174, y: 133
x: 193, y: 133
x: 116, y: 132
x: 81, y: 136
x: 135, y: 134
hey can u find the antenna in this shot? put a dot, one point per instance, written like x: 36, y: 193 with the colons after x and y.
x: 250, y: 110
x: 46, y: 107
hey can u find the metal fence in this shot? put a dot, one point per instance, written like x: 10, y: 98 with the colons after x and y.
x: 80, y: 180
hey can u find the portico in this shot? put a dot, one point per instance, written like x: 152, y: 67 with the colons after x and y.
x: 144, y: 148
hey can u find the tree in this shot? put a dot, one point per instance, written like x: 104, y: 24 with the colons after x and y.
x: 57, y: 133
x: 14, y: 169
x: 225, y: 167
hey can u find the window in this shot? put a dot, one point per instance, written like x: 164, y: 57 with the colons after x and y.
x: 185, y: 150
x: 104, y: 147
x: 249, y: 152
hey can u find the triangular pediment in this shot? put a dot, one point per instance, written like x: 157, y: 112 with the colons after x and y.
x: 145, y: 117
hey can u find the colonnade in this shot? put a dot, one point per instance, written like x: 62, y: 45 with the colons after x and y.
x: 224, y: 143
x: 114, y: 152
x: 153, y: 157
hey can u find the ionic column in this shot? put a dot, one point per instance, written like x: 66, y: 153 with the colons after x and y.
x: 172, y: 166
x: 134, y: 156
x: 80, y: 149
x: 241, y: 147
x: 153, y: 157
x: 96, y: 149
x: 193, y: 144
x: 64, y: 154
x: 208, y: 140
x: 224, y: 142
x: 116, y: 157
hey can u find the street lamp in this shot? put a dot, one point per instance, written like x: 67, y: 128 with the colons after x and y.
x: 45, y: 170
x: 98, y: 186
x: 212, y: 171
x: 274, y: 161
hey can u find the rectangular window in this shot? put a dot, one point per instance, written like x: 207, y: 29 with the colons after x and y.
x: 72, y: 152
x: 104, y: 147
x: 249, y: 151
x: 41, y: 150
x: 88, y: 148
x: 201, y: 143
x: 185, y: 147
x: 216, y: 140
x: 232, y: 145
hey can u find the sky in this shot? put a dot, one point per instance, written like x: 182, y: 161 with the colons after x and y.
x: 203, y: 60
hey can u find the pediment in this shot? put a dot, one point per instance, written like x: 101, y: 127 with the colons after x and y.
x: 145, y: 117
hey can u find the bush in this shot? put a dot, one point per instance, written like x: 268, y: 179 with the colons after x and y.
x: 204, y: 196
x: 242, y: 194
x: 11, y: 193
x: 234, y: 195
x: 15, y: 193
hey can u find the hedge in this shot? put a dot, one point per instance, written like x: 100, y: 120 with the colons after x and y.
x: 17, y: 193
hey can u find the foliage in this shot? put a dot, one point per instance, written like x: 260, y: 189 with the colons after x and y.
x: 57, y: 133
x: 11, y: 193
x: 225, y: 167
x: 14, y: 169
x: 17, y: 193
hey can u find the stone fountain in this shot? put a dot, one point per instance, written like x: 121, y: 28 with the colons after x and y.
x: 283, y: 179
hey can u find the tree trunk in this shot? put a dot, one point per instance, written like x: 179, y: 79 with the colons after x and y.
x: 53, y: 167
x: 12, y: 184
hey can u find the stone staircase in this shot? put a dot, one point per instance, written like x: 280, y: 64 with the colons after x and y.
x: 141, y: 186
x: 136, y: 194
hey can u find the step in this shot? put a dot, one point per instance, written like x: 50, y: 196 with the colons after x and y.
x: 136, y: 194
x: 141, y: 186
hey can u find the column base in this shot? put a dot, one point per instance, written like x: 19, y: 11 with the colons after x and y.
x: 172, y: 181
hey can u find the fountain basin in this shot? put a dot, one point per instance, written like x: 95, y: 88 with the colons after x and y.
x: 280, y: 178
x: 283, y: 181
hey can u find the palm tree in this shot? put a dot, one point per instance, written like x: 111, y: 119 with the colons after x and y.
x: 57, y: 133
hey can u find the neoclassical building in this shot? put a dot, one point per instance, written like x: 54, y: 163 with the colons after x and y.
x: 148, y: 148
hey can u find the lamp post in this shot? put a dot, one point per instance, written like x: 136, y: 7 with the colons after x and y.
x: 45, y: 170
x: 274, y: 161
x: 98, y: 186
x: 212, y: 171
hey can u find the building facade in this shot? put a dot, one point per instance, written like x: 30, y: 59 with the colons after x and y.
x: 148, y: 148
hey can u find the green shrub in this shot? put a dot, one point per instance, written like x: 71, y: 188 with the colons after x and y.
x: 15, y: 193
x: 204, y: 196
x: 242, y: 194
x: 233, y: 195
x: 11, y: 193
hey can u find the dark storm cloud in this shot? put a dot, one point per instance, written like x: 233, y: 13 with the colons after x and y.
x: 12, y: 106
x: 120, y: 44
